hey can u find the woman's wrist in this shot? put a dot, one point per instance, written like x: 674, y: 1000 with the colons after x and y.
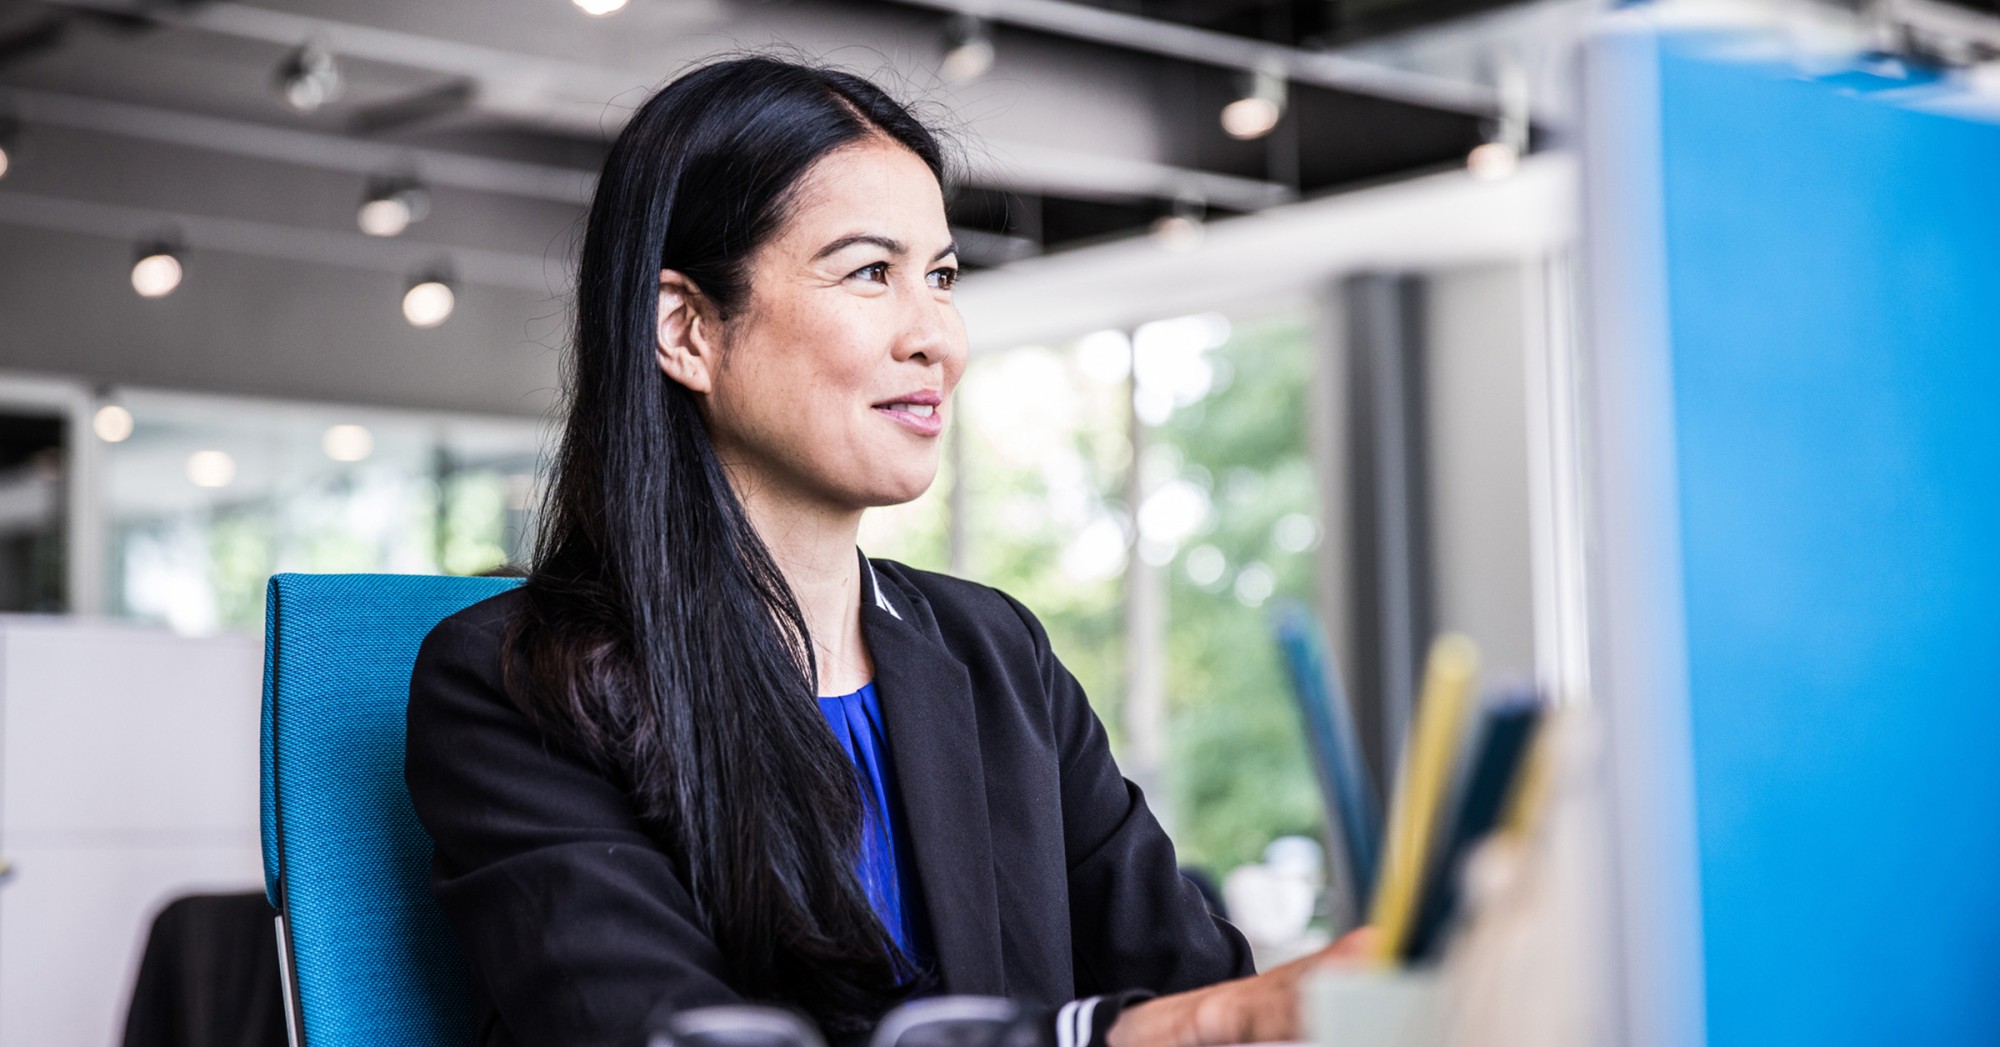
x: 1165, y: 1021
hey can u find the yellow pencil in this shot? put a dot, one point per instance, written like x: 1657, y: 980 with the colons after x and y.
x: 1420, y: 788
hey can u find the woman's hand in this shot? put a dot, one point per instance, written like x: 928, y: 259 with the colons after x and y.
x: 1258, y: 1009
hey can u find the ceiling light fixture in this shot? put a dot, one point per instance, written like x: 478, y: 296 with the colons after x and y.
x: 1259, y: 105
x: 309, y: 79
x: 599, y: 8
x: 968, y: 49
x: 211, y: 469
x: 1492, y: 161
x: 156, y: 266
x: 10, y: 141
x: 1506, y: 140
x: 347, y: 443
x: 112, y: 423
x: 391, y: 204
x: 1182, y: 228
x: 429, y: 300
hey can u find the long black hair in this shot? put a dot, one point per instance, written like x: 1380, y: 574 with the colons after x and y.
x: 659, y: 637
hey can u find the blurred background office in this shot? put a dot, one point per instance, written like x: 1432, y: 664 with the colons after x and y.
x: 1272, y: 303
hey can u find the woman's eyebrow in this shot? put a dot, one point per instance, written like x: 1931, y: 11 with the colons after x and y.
x: 845, y: 242
x: 891, y: 245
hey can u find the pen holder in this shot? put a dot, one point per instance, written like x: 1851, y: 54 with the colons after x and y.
x: 1375, y: 1008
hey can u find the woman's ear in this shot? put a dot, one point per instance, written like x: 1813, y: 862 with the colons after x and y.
x: 686, y: 350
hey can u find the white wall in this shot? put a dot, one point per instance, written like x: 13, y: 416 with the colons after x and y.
x: 128, y: 776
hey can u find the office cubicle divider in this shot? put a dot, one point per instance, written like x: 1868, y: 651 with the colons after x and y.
x: 1794, y: 270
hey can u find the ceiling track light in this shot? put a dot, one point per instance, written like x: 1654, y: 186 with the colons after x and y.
x: 10, y: 141
x: 347, y: 443
x: 968, y: 49
x: 430, y: 297
x: 1259, y: 105
x: 391, y: 204
x: 1184, y: 226
x: 112, y: 421
x: 156, y: 264
x: 212, y: 469
x: 309, y: 78
x: 1507, y: 133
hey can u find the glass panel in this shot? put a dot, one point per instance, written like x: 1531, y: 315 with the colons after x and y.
x: 33, y: 474
x: 210, y: 496
x: 1231, y: 517
x: 1233, y: 512
x: 1045, y: 521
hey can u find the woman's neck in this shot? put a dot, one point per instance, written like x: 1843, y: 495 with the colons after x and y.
x: 814, y: 549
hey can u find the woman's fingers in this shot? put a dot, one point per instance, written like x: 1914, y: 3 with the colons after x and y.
x: 1357, y: 944
x: 1271, y: 1007
x: 1262, y: 1008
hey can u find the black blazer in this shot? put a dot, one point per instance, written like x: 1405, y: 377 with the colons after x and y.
x: 1042, y: 874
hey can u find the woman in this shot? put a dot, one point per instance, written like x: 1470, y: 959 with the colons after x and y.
x: 636, y: 805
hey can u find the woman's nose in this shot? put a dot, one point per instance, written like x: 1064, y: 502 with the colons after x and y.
x: 926, y: 331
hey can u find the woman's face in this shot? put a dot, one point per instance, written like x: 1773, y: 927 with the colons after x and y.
x: 834, y: 379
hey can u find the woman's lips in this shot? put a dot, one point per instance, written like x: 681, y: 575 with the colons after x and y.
x: 923, y: 419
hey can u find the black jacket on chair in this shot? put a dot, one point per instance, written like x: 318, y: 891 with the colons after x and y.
x: 1042, y: 874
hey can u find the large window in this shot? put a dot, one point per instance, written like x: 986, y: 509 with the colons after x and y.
x: 1039, y: 500
x: 1235, y: 500
x: 208, y: 497
x: 1155, y: 571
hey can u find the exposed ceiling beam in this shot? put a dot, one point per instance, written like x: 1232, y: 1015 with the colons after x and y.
x: 1432, y: 222
x: 426, y: 108
x: 1062, y: 172
x: 289, y: 243
x: 1187, y: 43
x: 510, y: 81
x: 44, y: 34
x: 1000, y: 164
x: 316, y: 149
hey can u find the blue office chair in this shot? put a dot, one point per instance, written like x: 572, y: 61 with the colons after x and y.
x: 366, y: 955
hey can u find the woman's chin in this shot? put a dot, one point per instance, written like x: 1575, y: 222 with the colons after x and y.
x: 899, y: 491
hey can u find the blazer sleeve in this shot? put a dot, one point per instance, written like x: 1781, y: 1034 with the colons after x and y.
x: 575, y: 924
x: 1136, y: 923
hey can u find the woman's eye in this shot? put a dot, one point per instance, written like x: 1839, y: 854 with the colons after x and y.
x: 876, y: 273
x: 943, y: 278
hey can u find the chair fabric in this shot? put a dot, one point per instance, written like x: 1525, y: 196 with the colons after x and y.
x: 346, y: 862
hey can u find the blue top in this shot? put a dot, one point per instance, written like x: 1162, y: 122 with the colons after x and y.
x: 884, y: 865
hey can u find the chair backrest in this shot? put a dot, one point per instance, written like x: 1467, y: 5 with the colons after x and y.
x: 367, y: 956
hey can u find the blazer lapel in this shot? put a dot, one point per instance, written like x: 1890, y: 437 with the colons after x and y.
x: 926, y: 698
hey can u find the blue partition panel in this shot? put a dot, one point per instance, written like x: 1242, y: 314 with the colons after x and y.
x: 1833, y: 301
